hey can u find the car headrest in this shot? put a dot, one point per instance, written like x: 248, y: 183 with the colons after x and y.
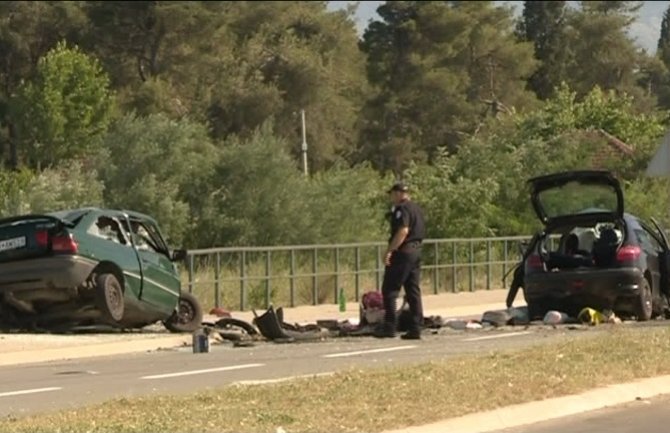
x: 608, y: 237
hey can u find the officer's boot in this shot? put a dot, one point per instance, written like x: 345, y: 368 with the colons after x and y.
x: 385, y: 330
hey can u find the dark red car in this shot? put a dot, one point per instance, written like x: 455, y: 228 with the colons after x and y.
x: 591, y: 253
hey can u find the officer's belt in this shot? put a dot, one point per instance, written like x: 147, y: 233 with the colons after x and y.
x: 410, y: 247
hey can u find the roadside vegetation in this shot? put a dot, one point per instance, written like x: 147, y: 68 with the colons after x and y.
x: 441, y: 389
x: 190, y: 111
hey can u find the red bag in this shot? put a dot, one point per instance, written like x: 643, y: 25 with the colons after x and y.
x: 373, y: 300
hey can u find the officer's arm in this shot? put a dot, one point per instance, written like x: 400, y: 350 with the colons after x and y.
x: 401, y: 234
x: 398, y: 238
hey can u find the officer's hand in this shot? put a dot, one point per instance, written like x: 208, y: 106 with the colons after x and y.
x: 387, y: 258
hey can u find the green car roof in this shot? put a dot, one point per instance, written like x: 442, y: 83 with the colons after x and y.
x: 65, y: 214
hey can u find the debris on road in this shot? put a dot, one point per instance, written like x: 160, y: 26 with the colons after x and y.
x: 220, y: 312
x: 509, y: 316
x: 272, y: 326
x: 555, y: 318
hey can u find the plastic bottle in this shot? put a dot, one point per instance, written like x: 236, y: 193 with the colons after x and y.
x: 200, y: 341
x: 342, y: 301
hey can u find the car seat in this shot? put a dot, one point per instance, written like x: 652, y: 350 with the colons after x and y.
x: 587, y: 240
x: 604, y: 248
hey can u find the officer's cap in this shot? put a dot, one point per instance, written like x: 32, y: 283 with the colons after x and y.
x: 399, y: 186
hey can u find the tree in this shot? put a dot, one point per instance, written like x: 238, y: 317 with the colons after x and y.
x: 454, y: 204
x: 67, y: 186
x: 64, y: 112
x: 255, y: 194
x: 609, y: 110
x: 604, y: 53
x: 156, y: 52
x: 656, y: 76
x: 663, y: 51
x: 440, y: 70
x: 627, y: 9
x: 273, y: 59
x: 162, y: 167
x: 144, y: 39
x: 27, y: 31
x: 544, y: 23
x: 235, y: 65
x: 347, y: 204
x: 562, y: 135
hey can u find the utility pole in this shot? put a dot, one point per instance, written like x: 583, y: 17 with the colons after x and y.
x: 304, y: 143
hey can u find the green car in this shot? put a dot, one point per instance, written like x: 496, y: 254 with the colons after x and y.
x: 90, y: 267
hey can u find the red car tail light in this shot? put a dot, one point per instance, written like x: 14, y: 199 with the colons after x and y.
x: 535, y: 262
x: 64, y: 244
x: 42, y: 238
x: 628, y: 253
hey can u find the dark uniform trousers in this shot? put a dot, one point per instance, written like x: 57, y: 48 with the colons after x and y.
x: 404, y: 271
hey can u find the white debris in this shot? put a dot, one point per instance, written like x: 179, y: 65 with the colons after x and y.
x: 555, y: 318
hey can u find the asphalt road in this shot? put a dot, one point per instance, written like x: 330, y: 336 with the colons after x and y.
x: 66, y: 384
x: 647, y: 416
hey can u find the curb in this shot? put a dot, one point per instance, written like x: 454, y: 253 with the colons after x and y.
x: 545, y: 410
x: 93, y: 350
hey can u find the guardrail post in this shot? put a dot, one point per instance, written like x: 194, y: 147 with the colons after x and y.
x: 243, y: 280
x: 191, y: 277
x: 337, y: 275
x: 315, y: 288
x: 292, y: 278
x: 268, y: 284
x: 436, y: 272
x: 217, y: 284
x: 488, y: 265
x: 472, y: 268
x: 357, y: 276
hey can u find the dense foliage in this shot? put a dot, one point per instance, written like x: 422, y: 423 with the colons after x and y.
x: 190, y: 111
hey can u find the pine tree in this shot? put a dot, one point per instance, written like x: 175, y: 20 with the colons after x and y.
x: 663, y: 51
x: 442, y: 70
x: 604, y: 53
x: 544, y: 24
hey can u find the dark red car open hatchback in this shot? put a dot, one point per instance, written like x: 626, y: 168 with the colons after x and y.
x: 591, y: 253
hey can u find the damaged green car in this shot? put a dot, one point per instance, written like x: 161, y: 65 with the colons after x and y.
x: 91, y: 266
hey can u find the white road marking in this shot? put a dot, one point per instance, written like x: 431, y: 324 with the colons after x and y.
x: 28, y: 391
x: 281, y: 379
x: 492, y: 337
x: 363, y: 352
x: 208, y: 370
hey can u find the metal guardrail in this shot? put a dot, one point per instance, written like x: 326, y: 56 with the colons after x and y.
x: 260, y: 271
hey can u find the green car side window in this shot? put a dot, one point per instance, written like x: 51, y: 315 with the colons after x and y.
x: 109, y: 229
x: 146, y: 238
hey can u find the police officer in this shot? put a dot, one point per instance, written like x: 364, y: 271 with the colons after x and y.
x: 403, y: 263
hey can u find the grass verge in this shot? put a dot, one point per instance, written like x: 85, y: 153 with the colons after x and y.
x: 369, y: 400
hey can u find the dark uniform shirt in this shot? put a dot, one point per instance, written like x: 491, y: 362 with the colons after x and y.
x: 408, y: 214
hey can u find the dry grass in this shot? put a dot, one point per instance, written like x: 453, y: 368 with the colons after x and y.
x: 370, y: 400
